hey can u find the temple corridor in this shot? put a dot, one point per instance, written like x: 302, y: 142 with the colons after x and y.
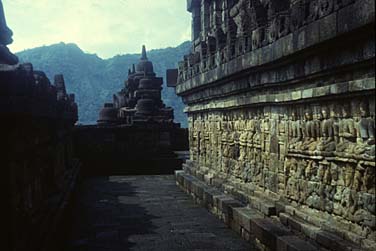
x: 144, y: 213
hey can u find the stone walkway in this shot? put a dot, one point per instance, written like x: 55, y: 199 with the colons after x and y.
x: 144, y: 213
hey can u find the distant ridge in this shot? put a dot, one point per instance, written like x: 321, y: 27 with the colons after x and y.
x: 94, y: 80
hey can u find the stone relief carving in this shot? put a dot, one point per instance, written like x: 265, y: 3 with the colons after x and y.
x: 320, y: 156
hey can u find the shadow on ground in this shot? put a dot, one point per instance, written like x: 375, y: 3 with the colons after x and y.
x: 106, y: 213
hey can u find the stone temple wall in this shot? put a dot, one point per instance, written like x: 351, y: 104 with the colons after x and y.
x: 281, y: 106
x: 38, y: 165
x: 142, y: 148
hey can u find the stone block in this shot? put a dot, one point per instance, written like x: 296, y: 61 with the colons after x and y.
x: 312, y: 34
x: 243, y: 216
x: 362, y: 84
x: 363, y: 10
x: 332, y: 242
x: 339, y: 88
x: 280, y: 207
x: 198, y: 189
x: 267, y: 232
x: 296, y: 95
x: 265, y: 207
x: 328, y: 27
x: 293, y: 243
x: 227, y: 205
x: 209, y: 194
x: 310, y: 231
x: 321, y: 91
x: 308, y: 93
x: 217, y: 200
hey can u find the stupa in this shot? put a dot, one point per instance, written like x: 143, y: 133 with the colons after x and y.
x: 140, y: 101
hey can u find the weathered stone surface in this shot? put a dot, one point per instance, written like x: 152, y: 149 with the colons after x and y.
x: 129, y: 213
x: 268, y: 232
x: 301, y: 133
x: 243, y: 216
x: 292, y: 243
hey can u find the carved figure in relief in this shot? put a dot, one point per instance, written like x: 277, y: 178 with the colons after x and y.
x: 321, y: 172
x: 310, y: 136
x: 251, y: 132
x: 282, y: 127
x: 348, y: 175
x: 334, y: 171
x: 291, y: 166
x: 232, y: 140
x: 369, y: 179
x: 309, y: 171
x: 241, y: 16
x: 295, y: 132
x: 257, y: 136
x: 347, y: 132
x: 334, y: 116
x: 348, y: 203
x: 259, y: 167
x: 282, y: 135
x: 327, y: 179
x: 325, y: 7
x: 317, y: 120
x: 243, y: 145
x: 313, y: 10
x: 338, y: 174
x: 358, y: 178
x: 300, y: 171
x: 327, y: 143
x: 224, y: 139
x: 366, y: 133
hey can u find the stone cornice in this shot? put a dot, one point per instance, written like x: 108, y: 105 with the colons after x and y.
x: 356, y: 87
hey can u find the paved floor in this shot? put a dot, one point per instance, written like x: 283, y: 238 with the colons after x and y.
x: 144, y: 213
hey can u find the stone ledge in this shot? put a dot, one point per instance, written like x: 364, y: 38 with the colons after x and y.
x: 230, y: 102
x: 323, y: 238
x: 250, y: 223
x: 292, y: 243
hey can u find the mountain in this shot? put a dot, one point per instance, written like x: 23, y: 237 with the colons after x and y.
x: 94, y: 80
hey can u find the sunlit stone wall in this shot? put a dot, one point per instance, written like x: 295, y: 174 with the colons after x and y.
x: 280, y: 98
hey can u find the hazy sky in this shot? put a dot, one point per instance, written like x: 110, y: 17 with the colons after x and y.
x: 104, y: 27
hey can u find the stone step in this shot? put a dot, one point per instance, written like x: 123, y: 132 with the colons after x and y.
x: 293, y: 243
x: 250, y: 223
x: 264, y: 206
x: 324, y: 238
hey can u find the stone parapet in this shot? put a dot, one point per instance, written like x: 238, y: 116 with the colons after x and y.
x: 39, y: 166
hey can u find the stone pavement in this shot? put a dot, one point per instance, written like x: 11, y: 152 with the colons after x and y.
x: 144, y: 213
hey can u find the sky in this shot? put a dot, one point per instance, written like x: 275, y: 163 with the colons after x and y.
x: 104, y: 27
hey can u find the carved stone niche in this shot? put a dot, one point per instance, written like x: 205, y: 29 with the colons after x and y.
x: 203, y: 52
x: 325, y: 7
x: 277, y: 12
x: 220, y: 38
x: 232, y: 36
x: 297, y: 14
x: 259, y: 18
x: 365, y: 148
